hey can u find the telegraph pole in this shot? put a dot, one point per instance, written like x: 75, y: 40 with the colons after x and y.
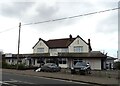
x: 18, y: 44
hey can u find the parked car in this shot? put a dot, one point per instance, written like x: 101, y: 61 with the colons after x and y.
x: 49, y: 67
x: 81, y: 67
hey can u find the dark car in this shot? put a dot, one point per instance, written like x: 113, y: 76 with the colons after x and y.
x: 81, y: 67
x: 49, y: 67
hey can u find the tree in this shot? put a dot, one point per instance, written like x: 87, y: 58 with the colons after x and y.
x: 117, y: 65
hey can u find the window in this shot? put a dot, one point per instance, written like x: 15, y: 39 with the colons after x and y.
x: 64, y: 50
x: 78, y: 48
x: 9, y: 60
x: 62, y: 61
x: 40, y: 60
x: 12, y: 61
x: 33, y: 61
x: 40, y: 50
x: 50, y: 60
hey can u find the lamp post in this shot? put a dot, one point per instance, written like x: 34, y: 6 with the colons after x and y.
x: 18, y: 44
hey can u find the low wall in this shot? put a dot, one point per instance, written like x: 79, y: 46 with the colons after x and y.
x: 106, y: 73
x: 99, y: 73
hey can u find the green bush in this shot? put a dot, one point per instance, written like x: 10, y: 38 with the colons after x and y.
x: 4, y: 64
x: 21, y: 67
x: 117, y: 65
x: 12, y: 66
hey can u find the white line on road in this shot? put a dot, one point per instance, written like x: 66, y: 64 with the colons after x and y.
x: 7, y: 83
x: 22, y: 81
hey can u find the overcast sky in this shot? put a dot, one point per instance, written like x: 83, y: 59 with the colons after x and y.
x: 101, y: 28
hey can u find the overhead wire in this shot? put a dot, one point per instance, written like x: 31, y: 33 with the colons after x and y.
x: 70, y: 17
x: 64, y: 18
x: 8, y: 29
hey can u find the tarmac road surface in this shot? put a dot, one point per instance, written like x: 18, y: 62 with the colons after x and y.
x: 10, y: 79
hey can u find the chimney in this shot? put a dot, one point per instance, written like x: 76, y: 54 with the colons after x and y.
x: 39, y: 39
x: 89, y: 45
x: 88, y: 41
x: 70, y: 36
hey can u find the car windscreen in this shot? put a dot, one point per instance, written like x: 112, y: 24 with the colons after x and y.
x: 48, y: 64
x: 80, y: 64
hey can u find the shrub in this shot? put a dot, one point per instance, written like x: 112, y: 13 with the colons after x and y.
x: 12, y: 66
x: 4, y: 64
x: 117, y: 65
x: 21, y: 67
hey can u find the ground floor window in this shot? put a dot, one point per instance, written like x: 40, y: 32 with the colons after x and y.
x: 12, y: 60
x: 33, y: 61
x: 40, y: 60
x: 50, y: 60
x: 77, y: 60
x: 9, y: 60
x: 62, y: 60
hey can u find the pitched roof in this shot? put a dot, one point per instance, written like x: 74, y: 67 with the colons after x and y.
x: 60, y: 43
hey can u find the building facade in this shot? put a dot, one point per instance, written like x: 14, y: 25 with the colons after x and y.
x: 64, y: 52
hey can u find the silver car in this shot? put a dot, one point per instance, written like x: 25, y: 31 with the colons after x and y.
x: 49, y: 67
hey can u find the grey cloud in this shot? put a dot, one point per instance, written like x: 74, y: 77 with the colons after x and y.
x: 59, y: 10
x: 46, y: 12
x: 108, y: 25
x: 14, y: 9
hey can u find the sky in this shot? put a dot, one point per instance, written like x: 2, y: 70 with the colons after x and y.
x: 101, y: 28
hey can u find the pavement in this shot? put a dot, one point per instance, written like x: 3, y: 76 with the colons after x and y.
x: 79, y: 78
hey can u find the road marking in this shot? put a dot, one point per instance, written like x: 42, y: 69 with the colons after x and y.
x: 13, y: 80
x: 2, y: 82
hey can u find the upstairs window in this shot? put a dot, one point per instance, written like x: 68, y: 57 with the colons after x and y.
x: 78, y: 48
x: 40, y: 50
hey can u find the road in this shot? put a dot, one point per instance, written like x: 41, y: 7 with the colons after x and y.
x: 9, y: 79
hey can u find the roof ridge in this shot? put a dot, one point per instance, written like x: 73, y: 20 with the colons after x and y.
x: 59, y: 39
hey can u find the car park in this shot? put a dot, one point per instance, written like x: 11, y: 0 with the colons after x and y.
x: 49, y: 67
x: 81, y: 67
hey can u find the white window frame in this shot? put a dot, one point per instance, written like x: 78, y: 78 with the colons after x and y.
x: 64, y: 50
x: 78, y: 48
x: 40, y: 50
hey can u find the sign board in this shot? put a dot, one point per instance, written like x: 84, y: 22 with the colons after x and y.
x: 8, y: 55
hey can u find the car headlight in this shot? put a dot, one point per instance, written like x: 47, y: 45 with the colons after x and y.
x: 72, y: 68
x: 85, y: 68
